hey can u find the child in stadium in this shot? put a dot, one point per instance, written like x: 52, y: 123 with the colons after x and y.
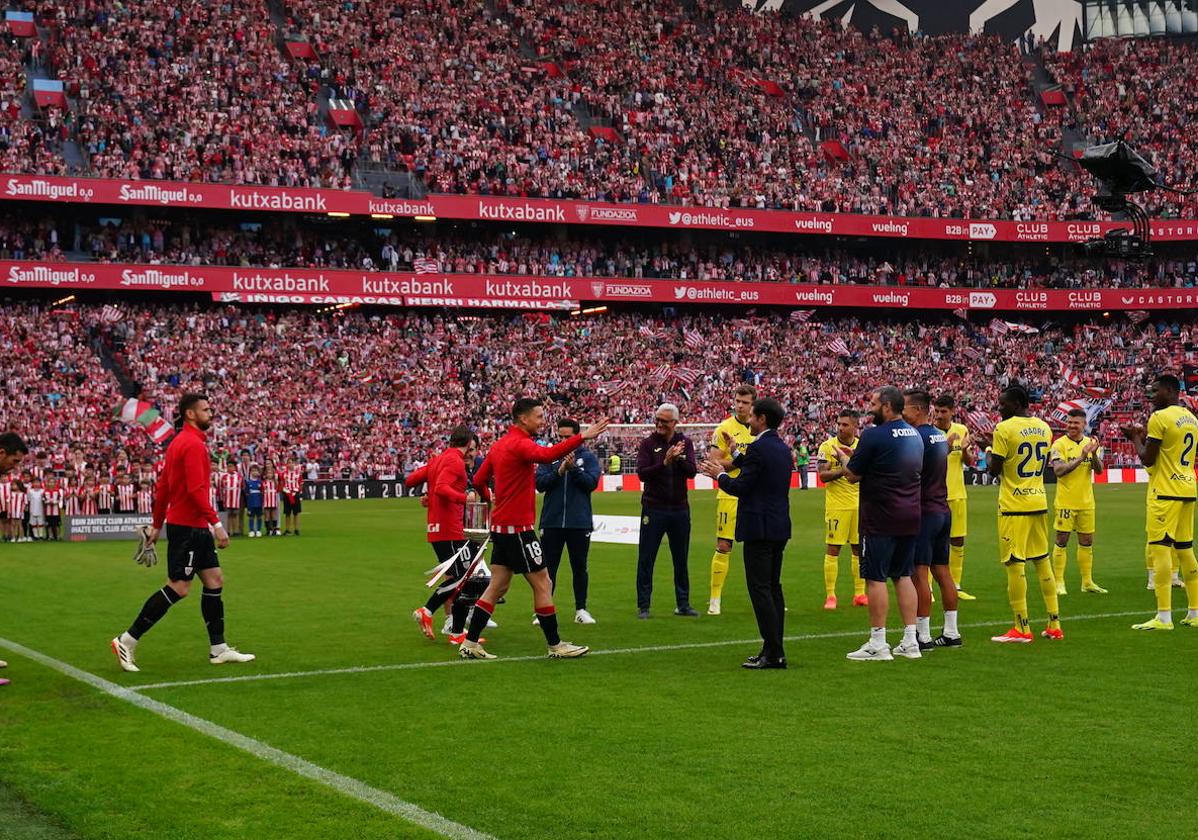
x: 253, y: 501
x: 270, y: 500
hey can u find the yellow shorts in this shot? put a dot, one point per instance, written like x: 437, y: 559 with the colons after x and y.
x: 1022, y: 537
x: 840, y: 527
x: 1072, y: 519
x: 725, y: 519
x: 959, y: 508
x: 1170, y: 519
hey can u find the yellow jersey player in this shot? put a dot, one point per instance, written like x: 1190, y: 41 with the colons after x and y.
x: 727, y: 441
x: 1019, y: 456
x: 960, y: 455
x: 840, y: 508
x: 1075, y: 459
x: 1168, y: 450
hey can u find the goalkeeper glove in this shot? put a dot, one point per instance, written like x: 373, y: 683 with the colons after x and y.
x: 145, y: 554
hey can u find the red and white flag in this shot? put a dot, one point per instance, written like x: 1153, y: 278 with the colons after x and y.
x: 111, y: 314
x: 999, y: 326
x: 838, y: 347
x: 426, y: 265
x: 687, y: 376
x: 693, y: 339
x: 661, y: 373
x: 962, y: 314
x: 614, y: 387
x: 1137, y: 316
x: 647, y: 331
x: 979, y: 420
x: 802, y: 315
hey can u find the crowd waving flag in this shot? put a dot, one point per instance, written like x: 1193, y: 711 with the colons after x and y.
x: 1001, y: 327
x: 426, y: 265
x: 1137, y: 316
x: 1093, y: 408
x: 802, y: 315
x: 838, y: 347
x: 979, y: 420
x: 141, y: 413
x: 693, y: 339
x: 111, y: 314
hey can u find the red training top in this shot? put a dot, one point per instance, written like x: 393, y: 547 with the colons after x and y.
x: 447, y: 485
x: 182, y: 492
x: 512, y: 462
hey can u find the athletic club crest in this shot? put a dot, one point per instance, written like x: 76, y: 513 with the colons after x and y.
x: 583, y: 211
x: 598, y: 288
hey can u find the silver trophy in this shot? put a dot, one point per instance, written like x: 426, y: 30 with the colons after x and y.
x: 478, y: 521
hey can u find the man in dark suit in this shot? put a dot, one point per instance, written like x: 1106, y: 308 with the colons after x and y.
x: 762, y: 523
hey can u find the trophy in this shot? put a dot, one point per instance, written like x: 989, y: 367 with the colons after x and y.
x: 478, y: 521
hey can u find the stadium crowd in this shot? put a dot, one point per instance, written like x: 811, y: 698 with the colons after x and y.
x: 370, y: 395
x: 284, y: 243
x: 1140, y: 90
x: 645, y: 101
x: 194, y: 93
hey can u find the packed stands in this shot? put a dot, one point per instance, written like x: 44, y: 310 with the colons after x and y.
x: 373, y: 393
x: 700, y: 102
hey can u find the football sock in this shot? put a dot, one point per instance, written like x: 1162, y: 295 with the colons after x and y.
x: 458, y: 613
x: 858, y: 581
x: 877, y: 636
x: 212, y: 608
x: 1060, y: 556
x: 923, y: 627
x: 1162, y: 565
x: 830, y: 569
x: 153, y: 610
x: 478, y: 621
x: 956, y: 562
x: 950, y: 624
x: 1017, y: 594
x: 1189, y: 573
x: 908, y: 634
x: 719, y: 572
x: 548, y: 617
x: 1048, y: 588
x: 1085, y: 564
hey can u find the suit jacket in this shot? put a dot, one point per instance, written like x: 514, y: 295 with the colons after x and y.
x: 763, y: 488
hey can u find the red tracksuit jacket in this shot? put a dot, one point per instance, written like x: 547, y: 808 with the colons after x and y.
x: 182, y: 492
x: 446, y: 478
x: 512, y: 461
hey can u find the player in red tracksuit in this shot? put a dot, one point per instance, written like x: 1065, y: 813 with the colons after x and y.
x: 193, y: 533
x: 448, y: 492
x: 512, y: 462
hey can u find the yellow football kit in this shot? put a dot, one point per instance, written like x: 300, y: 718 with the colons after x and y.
x: 1023, y: 444
x: 730, y: 437
x: 1074, y: 502
x: 1170, y: 514
x: 840, y: 516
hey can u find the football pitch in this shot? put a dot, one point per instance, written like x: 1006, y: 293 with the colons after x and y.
x: 352, y: 725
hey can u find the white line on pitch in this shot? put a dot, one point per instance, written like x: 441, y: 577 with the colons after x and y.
x: 346, y: 785
x: 446, y: 663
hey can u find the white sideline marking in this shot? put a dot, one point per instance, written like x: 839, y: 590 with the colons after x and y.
x: 346, y: 785
x: 409, y: 666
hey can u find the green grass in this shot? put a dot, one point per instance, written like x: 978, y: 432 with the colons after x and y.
x: 1089, y: 738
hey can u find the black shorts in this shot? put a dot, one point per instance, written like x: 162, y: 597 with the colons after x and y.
x: 290, y: 507
x: 189, y: 550
x: 519, y: 552
x: 932, y: 547
x: 887, y: 557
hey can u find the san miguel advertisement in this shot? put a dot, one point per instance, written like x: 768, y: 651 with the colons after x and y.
x: 465, y: 291
x: 502, y: 209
